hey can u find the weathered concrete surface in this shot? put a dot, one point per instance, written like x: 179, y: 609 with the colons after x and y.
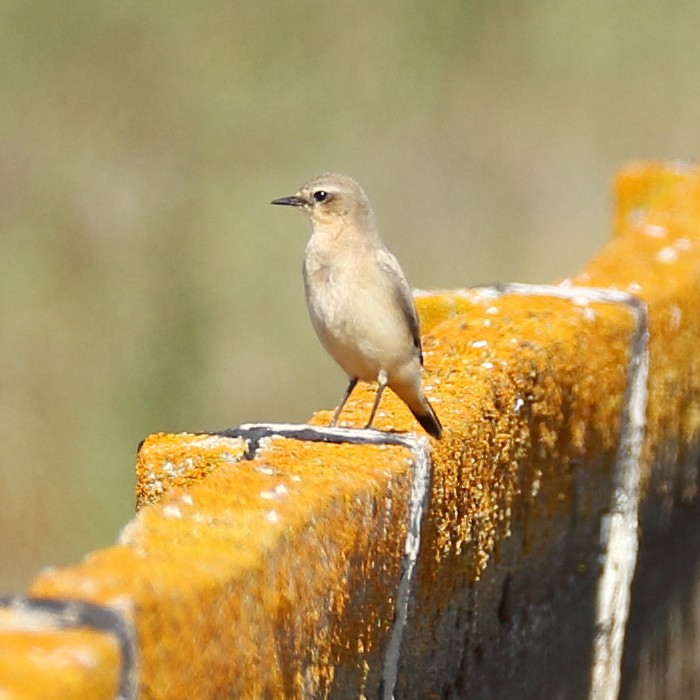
x: 270, y: 578
x: 291, y: 574
x: 662, y: 651
x: 42, y: 661
x: 521, y: 618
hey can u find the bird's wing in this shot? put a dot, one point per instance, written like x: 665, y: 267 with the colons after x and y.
x: 402, y: 294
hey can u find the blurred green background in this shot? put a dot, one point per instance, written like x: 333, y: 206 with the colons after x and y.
x: 145, y: 282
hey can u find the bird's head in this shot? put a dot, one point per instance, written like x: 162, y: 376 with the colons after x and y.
x: 331, y: 200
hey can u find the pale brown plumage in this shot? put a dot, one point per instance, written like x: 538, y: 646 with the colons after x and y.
x: 359, y: 301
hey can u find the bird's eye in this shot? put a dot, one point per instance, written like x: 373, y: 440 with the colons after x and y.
x: 320, y: 195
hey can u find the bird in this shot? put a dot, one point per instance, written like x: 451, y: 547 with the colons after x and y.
x: 359, y: 301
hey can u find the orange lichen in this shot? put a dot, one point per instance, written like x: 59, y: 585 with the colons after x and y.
x: 527, y: 385
x: 656, y: 256
x: 49, y: 664
x: 165, y: 461
x: 310, y: 539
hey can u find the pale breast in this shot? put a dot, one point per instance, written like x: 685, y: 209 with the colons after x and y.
x: 354, y: 312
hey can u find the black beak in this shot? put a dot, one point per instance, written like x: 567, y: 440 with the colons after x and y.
x: 292, y: 201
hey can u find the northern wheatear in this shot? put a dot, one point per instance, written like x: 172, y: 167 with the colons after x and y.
x: 359, y: 301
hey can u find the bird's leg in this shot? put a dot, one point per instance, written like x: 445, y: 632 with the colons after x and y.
x: 348, y: 391
x: 382, y: 381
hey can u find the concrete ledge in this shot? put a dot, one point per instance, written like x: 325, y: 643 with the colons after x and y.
x: 59, y: 649
x: 495, y: 563
x: 256, y: 579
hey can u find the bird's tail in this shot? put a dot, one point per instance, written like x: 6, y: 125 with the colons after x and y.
x: 427, y: 417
